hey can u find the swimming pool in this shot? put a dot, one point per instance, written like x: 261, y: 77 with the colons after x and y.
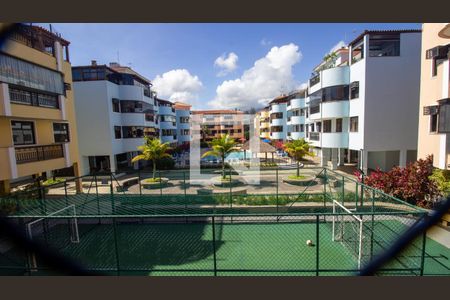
x: 230, y: 157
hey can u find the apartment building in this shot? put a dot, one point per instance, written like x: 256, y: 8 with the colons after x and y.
x: 363, y: 108
x: 38, y: 129
x: 183, y: 116
x: 167, y: 121
x: 296, y: 114
x: 115, y: 109
x: 434, y: 113
x: 262, y: 123
x: 214, y: 123
x: 278, y: 118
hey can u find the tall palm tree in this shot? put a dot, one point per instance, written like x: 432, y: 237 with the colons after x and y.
x: 221, y: 147
x: 298, y: 149
x: 153, y: 150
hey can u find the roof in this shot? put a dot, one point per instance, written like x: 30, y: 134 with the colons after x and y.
x: 280, y: 99
x: 383, y: 32
x: 216, y: 111
x: 48, y: 33
x: 263, y: 147
x: 127, y: 70
x: 164, y: 101
x: 181, y: 105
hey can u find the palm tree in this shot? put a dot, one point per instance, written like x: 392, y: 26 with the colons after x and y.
x: 298, y: 149
x: 221, y: 147
x: 153, y: 150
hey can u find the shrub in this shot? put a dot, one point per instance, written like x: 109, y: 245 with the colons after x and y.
x: 52, y: 181
x: 411, y: 183
x: 442, y: 180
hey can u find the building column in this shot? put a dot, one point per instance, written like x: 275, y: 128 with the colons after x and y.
x: 341, y: 154
x: 402, y: 159
x: 362, y: 160
x: 112, y: 163
x: 324, y: 157
x: 334, y: 158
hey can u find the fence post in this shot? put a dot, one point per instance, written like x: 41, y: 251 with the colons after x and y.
x: 214, y: 244
x: 317, y: 245
x: 160, y: 183
x: 139, y: 181
x: 343, y: 189
x: 96, y: 193
x: 276, y: 173
x: 116, y: 246
x: 372, y: 225
x: 65, y: 193
x: 422, y: 256
x: 112, y: 194
x: 184, y: 190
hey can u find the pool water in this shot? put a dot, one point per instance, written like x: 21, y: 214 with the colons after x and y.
x: 230, y: 157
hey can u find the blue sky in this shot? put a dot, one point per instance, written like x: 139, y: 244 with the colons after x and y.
x: 180, y: 58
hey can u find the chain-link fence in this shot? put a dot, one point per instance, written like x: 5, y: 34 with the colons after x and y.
x: 327, y: 224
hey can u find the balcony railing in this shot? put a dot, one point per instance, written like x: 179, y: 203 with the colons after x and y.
x: 314, y: 136
x: 38, y: 153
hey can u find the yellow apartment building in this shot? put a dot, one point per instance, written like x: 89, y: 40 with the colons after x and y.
x: 434, y: 114
x: 221, y: 121
x: 38, y: 134
x: 262, y: 123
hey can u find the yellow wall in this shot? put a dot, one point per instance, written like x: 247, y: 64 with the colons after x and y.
x: 43, y: 118
x: 430, y: 91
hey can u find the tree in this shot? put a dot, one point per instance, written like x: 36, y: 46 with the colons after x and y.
x: 298, y: 149
x: 152, y: 150
x: 413, y: 183
x: 221, y: 147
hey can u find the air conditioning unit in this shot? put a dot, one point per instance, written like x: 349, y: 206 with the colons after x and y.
x: 437, y: 52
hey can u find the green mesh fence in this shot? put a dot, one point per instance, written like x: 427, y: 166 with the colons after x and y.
x: 178, y: 227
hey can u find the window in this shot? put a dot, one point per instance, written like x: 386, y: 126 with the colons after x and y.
x: 276, y: 129
x: 314, y: 109
x: 117, y: 132
x: 168, y: 132
x: 167, y: 118
x: 302, y: 112
x: 239, y: 130
x: 185, y: 132
x: 434, y: 64
x: 327, y: 126
x: 26, y: 97
x: 61, y: 132
x: 116, y: 105
x: 278, y: 115
x: 384, y: 45
x: 302, y: 127
x: 131, y: 106
x: 335, y: 93
x: 338, y: 125
x: 150, y: 117
x: 354, y: 90
x: 444, y: 116
x: 184, y: 119
x: 132, y: 132
x: 354, y: 124
x: 434, y: 123
x: 23, y: 132
x: 22, y: 73
x: 319, y: 126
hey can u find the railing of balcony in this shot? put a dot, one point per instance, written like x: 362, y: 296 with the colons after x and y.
x: 314, y: 136
x: 38, y: 153
x: 314, y: 80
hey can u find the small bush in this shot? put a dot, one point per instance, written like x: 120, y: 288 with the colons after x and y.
x: 52, y: 181
x: 442, y: 180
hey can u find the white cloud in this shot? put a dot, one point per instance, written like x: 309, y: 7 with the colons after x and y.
x: 265, y: 42
x: 268, y: 77
x: 177, y: 85
x: 338, y: 46
x: 227, y: 63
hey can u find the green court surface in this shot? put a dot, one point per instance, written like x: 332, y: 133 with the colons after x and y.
x: 256, y: 249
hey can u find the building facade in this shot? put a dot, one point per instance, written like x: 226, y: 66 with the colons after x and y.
x: 296, y: 114
x: 115, y: 109
x: 167, y: 122
x: 215, y: 123
x: 364, y: 110
x: 262, y: 123
x: 183, y: 115
x: 278, y: 118
x: 37, y: 116
x: 434, y: 113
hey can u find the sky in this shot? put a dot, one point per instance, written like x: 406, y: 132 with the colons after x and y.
x: 215, y: 65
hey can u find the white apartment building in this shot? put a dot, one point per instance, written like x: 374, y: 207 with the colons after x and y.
x: 115, y: 109
x: 296, y: 115
x: 183, y: 115
x: 278, y: 118
x: 364, y: 107
x: 167, y: 121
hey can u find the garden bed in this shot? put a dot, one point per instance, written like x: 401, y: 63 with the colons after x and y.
x: 302, y: 180
x: 154, y: 183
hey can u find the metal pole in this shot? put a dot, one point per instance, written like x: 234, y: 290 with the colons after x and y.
x: 116, y: 247
x: 112, y: 195
x: 231, y: 190
x: 325, y: 180
x: 160, y: 182
x: 317, y: 245
x: 372, y: 225
x: 343, y: 189
x: 214, y: 245
x: 96, y: 194
x: 185, y: 195
x: 276, y: 173
x: 422, y: 257
x: 65, y: 193
x: 139, y: 181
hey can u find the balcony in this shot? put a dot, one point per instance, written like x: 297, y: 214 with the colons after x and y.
x: 314, y: 136
x: 39, y: 153
x: 314, y: 80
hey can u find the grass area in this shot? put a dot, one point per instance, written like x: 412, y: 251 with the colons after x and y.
x: 152, y: 180
x: 52, y: 181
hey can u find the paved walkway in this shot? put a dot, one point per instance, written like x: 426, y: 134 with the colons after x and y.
x: 440, y: 235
